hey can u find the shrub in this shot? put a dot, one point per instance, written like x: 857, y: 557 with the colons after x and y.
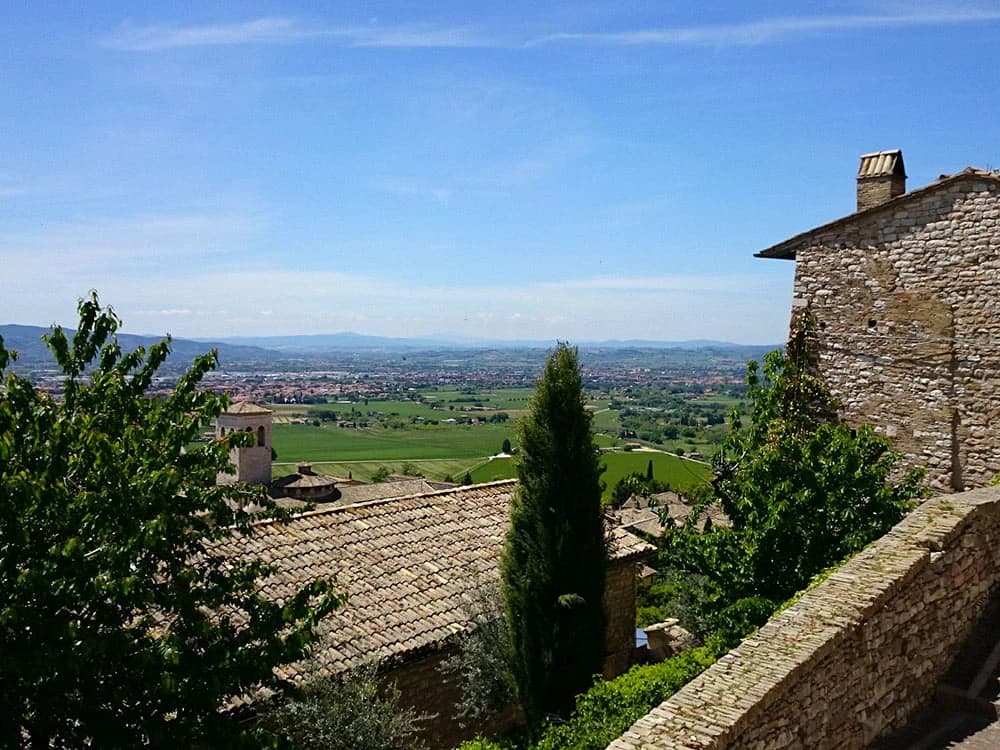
x: 481, y: 743
x: 605, y: 711
x: 354, y: 713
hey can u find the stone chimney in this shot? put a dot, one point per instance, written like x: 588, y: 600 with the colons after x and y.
x: 881, y: 177
x: 305, y: 470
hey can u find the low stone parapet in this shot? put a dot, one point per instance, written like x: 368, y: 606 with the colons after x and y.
x: 854, y: 658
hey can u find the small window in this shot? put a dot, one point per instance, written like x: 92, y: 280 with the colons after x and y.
x: 260, y: 436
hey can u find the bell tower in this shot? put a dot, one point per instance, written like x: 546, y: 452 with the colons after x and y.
x: 253, y: 463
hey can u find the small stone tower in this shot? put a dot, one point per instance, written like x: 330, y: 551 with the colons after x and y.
x: 881, y: 177
x: 253, y: 463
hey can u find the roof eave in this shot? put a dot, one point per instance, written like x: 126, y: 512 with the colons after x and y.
x: 786, y: 250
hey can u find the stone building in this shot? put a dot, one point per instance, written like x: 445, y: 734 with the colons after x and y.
x: 410, y: 567
x: 252, y: 463
x: 905, y: 293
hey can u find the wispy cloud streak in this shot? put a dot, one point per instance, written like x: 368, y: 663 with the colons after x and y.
x: 283, y: 30
x: 771, y: 30
x: 288, y: 31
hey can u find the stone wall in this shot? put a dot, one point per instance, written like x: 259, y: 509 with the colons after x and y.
x: 908, y: 304
x: 619, y: 604
x: 857, y: 655
x: 424, y: 687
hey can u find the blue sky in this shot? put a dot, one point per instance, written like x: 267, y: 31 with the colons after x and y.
x: 539, y: 170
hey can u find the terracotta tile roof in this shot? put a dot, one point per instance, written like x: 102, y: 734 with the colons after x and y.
x: 246, y: 407
x: 643, y: 514
x: 881, y: 164
x: 680, y: 510
x: 361, y: 493
x: 406, y: 565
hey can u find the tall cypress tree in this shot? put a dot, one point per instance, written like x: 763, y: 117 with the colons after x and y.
x: 555, y: 555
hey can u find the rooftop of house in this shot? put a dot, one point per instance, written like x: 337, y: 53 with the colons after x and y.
x: 348, y: 491
x: 643, y: 513
x: 247, y: 408
x: 408, y: 565
x: 876, y: 167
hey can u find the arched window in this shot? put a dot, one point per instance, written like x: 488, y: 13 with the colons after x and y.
x: 260, y: 436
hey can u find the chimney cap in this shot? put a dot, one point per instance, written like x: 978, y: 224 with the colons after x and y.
x: 882, y: 164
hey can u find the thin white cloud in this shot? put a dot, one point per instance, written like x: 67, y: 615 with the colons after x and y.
x: 689, y: 283
x: 772, y: 30
x: 288, y: 31
x: 168, y: 313
x: 11, y: 187
x: 418, y: 36
x: 126, y: 245
x: 396, y: 186
x: 162, y: 37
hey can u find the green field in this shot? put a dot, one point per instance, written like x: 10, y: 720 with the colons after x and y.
x: 501, y: 399
x: 329, y: 443
x: 679, y: 473
x: 439, y: 468
x: 497, y: 468
x: 406, y: 409
x: 607, y: 420
x: 444, y: 450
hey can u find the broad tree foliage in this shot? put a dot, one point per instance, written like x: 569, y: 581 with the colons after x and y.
x: 119, y: 624
x: 555, y: 555
x: 357, y: 712
x: 802, y: 489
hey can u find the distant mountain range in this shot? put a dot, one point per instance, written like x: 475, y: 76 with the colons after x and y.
x: 349, y: 341
x: 27, y: 340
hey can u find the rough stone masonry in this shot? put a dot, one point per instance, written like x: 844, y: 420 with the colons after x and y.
x: 856, y: 656
x: 906, y: 297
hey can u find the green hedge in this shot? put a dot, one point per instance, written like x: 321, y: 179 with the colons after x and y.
x: 604, y: 712
x: 607, y: 709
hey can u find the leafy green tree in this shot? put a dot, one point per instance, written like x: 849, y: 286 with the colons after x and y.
x: 649, y: 471
x: 635, y: 483
x: 505, y: 448
x: 803, y: 491
x: 381, y: 474
x: 467, y: 478
x: 120, y: 623
x: 554, y: 558
x: 409, y: 470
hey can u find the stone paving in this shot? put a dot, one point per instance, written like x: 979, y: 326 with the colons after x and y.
x: 985, y: 739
